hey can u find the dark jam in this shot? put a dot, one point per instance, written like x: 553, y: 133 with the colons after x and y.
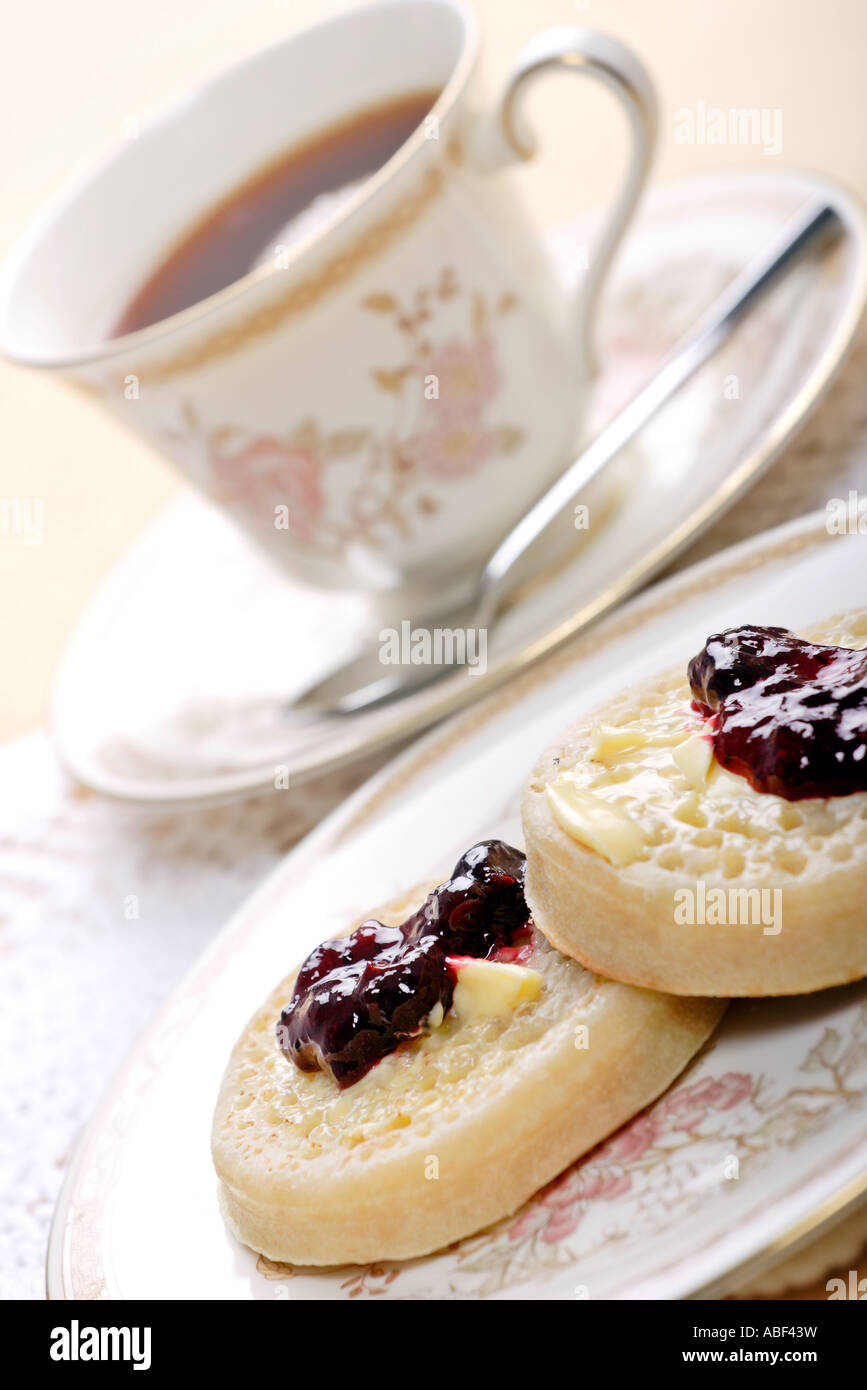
x: 357, y: 997
x: 788, y: 715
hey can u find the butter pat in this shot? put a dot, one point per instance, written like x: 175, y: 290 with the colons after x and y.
x: 435, y: 1017
x: 730, y: 786
x: 593, y: 822
x: 490, y: 988
x: 606, y: 741
x: 694, y: 758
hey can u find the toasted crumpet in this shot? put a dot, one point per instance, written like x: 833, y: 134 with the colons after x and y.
x: 453, y: 1131
x: 697, y: 884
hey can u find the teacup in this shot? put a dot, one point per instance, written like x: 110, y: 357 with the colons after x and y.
x: 383, y: 399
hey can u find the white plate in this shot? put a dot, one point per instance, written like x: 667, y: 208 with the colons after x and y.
x: 175, y: 686
x: 781, y: 1088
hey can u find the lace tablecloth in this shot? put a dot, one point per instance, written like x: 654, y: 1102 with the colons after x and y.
x: 102, y: 908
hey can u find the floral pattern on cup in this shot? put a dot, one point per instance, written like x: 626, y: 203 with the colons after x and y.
x: 268, y: 468
x: 444, y: 393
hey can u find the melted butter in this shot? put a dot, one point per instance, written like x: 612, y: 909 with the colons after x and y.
x: 594, y: 821
x: 730, y: 786
x: 666, y: 794
x: 489, y: 989
x: 609, y: 741
x: 694, y: 757
x: 644, y: 775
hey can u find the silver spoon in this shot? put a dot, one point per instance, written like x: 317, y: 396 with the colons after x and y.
x: 364, y: 682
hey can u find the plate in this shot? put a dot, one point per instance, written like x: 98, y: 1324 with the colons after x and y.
x: 175, y: 687
x: 757, y: 1147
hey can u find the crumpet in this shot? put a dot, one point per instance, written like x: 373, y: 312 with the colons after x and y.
x: 650, y: 862
x: 456, y: 1127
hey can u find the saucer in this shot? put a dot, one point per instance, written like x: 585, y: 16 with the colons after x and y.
x: 177, y: 683
x: 757, y: 1148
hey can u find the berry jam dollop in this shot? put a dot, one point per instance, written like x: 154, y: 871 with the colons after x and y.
x: 357, y: 997
x: 788, y: 715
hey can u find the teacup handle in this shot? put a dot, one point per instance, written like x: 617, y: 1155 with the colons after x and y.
x: 504, y: 136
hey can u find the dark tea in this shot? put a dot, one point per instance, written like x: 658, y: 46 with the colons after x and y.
x: 234, y: 234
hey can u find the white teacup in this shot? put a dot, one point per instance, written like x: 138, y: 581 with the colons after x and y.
x: 360, y: 453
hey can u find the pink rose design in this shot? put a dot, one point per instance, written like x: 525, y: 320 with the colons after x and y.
x: 560, y: 1209
x: 268, y: 473
x: 562, y: 1192
x: 450, y: 450
x: 604, y: 1175
x: 602, y: 1184
x: 630, y: 1143
x: 457, y: 441
x: 561, y: 1205
x: 560, y: 1225
x: 468, y: 377
x: 524, y: 1224
x: 689, y: 1106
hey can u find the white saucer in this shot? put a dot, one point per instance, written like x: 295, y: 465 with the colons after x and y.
x: 660, y: 1211
x: 175, y: 686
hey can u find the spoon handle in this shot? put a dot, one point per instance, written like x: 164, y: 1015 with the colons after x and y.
x: 804, y: 232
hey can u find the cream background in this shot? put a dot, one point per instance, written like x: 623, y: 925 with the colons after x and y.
x: 74, y: 78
